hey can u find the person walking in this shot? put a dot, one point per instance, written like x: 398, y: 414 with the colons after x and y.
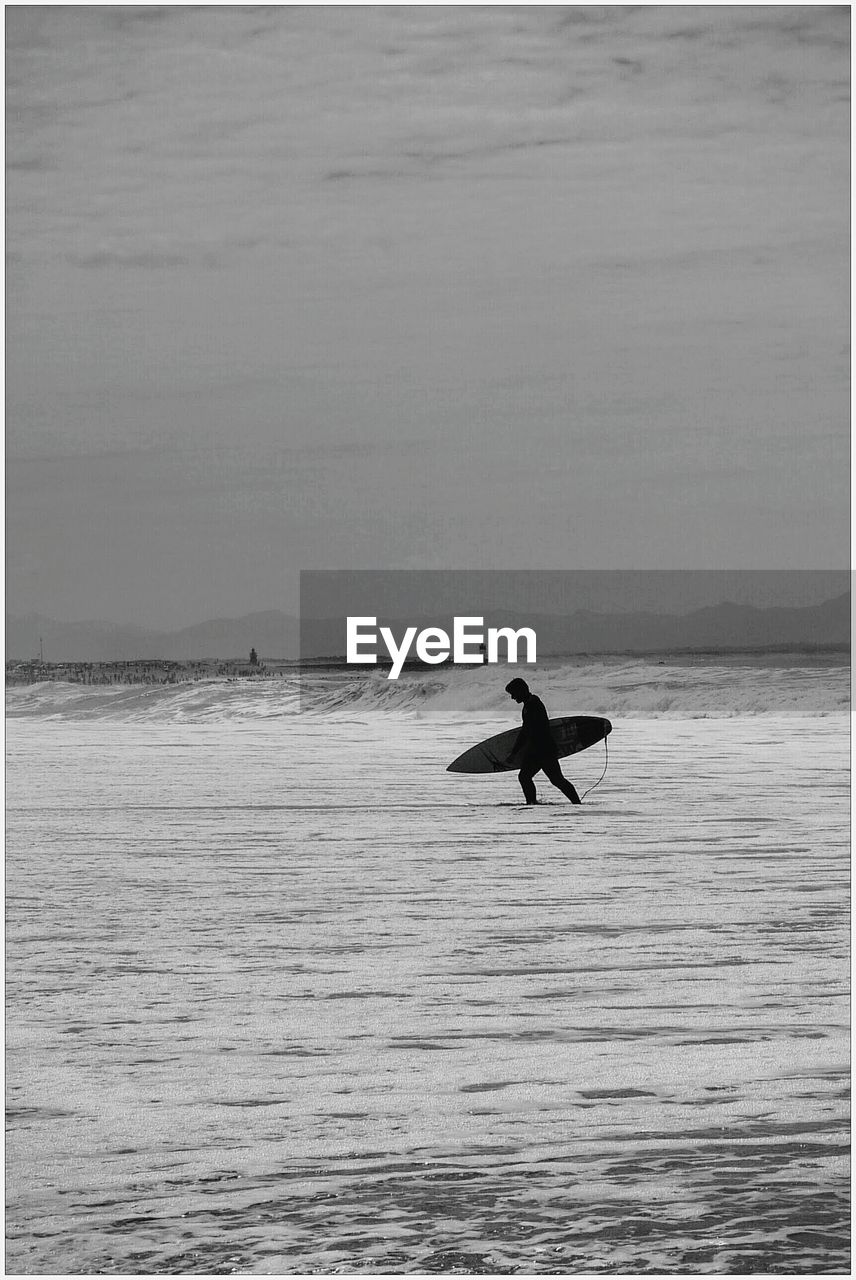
x: 536, y: 746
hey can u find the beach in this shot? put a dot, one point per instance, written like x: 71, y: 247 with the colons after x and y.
x: 286, y: 997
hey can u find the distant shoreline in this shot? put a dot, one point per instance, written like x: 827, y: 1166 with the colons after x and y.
x: 146, y: 671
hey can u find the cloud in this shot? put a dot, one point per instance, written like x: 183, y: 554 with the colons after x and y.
x: 132, y: 254
x: 129, y: 119
x: 29, y: 164
x: 130, y: 257
x: 423, y: 275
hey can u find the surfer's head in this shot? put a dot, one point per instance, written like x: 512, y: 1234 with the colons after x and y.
x: 518, y: 689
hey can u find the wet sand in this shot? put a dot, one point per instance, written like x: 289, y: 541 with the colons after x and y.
x: 286, y: 997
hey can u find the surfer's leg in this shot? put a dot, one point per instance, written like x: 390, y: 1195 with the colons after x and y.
x: 553, y: 770
x: 525, y: 778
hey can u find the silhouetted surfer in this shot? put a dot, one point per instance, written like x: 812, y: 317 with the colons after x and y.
x: 535, y: 741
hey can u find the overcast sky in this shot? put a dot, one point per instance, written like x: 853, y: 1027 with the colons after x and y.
x: 413, y: 287
x: 435, y: 593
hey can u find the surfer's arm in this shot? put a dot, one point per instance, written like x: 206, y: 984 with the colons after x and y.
x: 535, y: 732
x: 523, y: 738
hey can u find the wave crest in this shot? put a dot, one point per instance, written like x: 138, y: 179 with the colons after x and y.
x: 620, y: 690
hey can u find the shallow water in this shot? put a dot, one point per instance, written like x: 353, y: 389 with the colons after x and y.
x: 286, y: 997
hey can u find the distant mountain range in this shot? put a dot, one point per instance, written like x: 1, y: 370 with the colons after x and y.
x: 277, y: 635
x: 272, y: 635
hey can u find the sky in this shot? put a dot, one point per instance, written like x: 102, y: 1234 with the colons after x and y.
x: 421, y: 593
x: 411, y: 287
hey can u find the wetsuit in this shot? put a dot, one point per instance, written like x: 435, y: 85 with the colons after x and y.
x: 535, y: 741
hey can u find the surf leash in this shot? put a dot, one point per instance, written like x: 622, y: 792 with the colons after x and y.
x: 602, y: 776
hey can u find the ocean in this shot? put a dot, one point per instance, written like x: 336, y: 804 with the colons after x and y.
x: 286, y: 997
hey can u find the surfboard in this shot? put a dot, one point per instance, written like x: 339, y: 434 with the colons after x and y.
x: 570, y: 733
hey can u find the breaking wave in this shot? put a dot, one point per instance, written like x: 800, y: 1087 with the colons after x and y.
x: 620, y: 689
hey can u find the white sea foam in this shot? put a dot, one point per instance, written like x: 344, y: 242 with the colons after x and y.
x: 618, y: 690
x: 286, y: 997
